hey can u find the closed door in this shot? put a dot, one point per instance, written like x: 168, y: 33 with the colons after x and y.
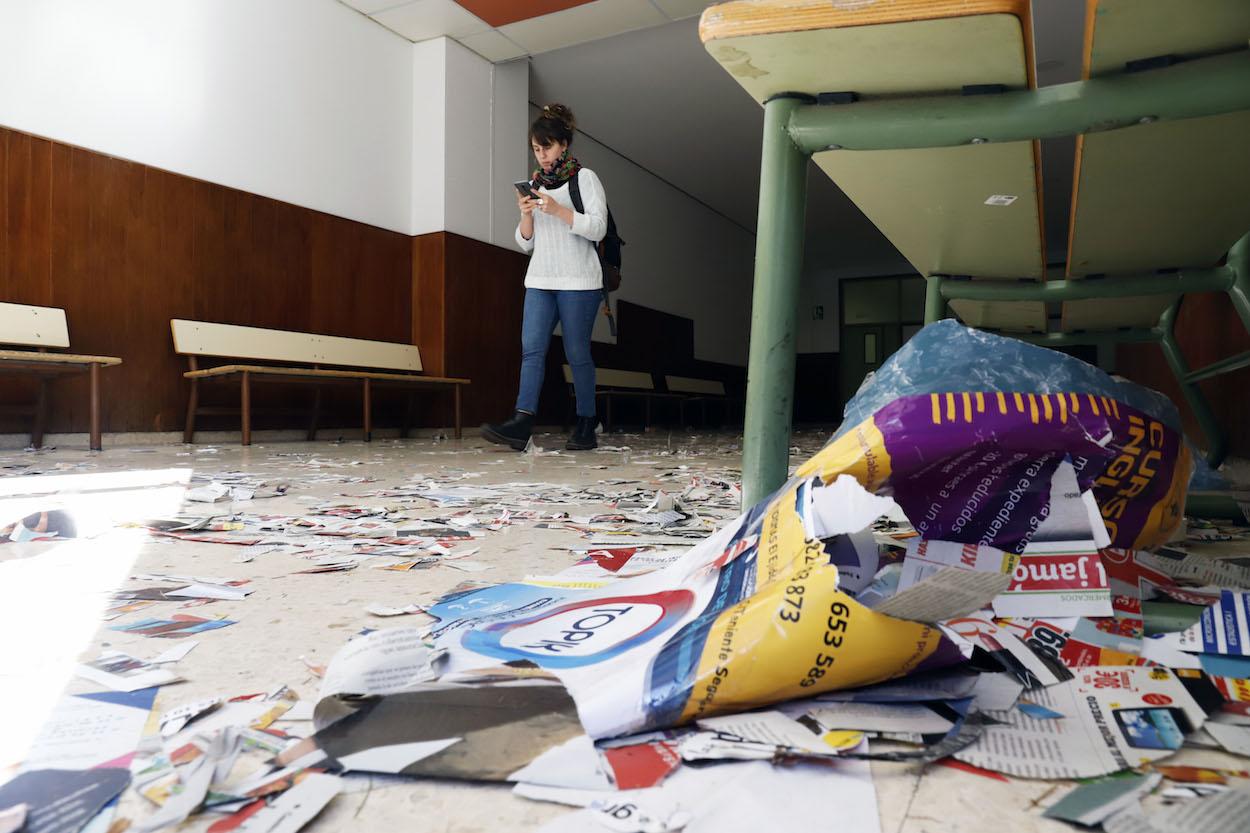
x: 864, y: 348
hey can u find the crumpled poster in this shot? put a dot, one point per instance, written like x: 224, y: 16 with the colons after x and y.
x: 753, y: 615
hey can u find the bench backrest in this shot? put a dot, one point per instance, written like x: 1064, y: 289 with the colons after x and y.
x: 684, y: 384
x: 608, y: 378
x: 203, y: 338
x: 33, y: 326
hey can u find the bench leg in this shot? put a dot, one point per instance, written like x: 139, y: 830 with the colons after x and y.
x: 368, y: 410
x: 315, y: 417
x: 96, y: 444
x: 456, y: 393
x: 41, y: 415
x: 245, y: 406
x: 646, y: 412
x: 193, y: 404
x: 408, y: 409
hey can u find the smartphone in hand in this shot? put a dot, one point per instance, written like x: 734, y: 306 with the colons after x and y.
x: 524, y: 187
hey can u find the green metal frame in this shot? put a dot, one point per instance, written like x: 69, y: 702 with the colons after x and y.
x: 795, y: 128
x: 1232, y: 278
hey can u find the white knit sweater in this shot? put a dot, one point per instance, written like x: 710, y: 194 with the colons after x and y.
x: 564, y: 257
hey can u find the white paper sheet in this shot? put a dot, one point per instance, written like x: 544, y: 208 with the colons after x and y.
x: 383, y: 662
x: 752, y: 795
x: 879, y: 717
x: 393, y: 758
x: 574, y: 764
x: 295, y: 807
x: 771, y: 727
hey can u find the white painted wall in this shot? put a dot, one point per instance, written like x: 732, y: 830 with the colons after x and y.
x: 425, y: 182
x: 510, y: 153
x: 484, y: 141
x: 680, y: 257
x: 306, y: 102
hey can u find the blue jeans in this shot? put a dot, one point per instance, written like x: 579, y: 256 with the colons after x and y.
x: 575, y: 309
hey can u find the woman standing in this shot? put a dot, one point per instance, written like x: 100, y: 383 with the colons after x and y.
x: 564, y: 280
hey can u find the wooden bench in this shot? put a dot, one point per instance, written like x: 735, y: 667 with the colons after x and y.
x: 700, y: 392
x: 44, y: 328
x: 298, y: 357
x: 611, y: 384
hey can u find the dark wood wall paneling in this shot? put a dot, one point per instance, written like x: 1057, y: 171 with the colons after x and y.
x: 1207, y: 329
x: 649, y: 340
x: 467, y: 305
x: 124, y: 247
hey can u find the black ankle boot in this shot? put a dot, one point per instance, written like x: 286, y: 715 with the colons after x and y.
x: 515, y: 432
x: 583, y: 436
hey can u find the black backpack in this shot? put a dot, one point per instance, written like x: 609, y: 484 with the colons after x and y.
x: 609, y: 247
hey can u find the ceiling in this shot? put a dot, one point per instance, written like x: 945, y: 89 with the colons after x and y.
x: 503, y: 30
x: 640, y: 82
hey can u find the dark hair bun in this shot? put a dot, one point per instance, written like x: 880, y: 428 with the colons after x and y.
x: 560, y: 113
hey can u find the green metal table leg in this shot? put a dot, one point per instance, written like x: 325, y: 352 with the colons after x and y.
x: 1239, y: 292
x: 934, y: 303
x: 1216, y: 443
x: 774, y: 305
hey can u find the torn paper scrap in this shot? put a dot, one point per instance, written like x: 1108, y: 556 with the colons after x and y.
x: 60, y: 800
x: 90, y: 730
x: 394, y: 758
x: 752, y: 795
x: 501, y: 728
x: 1090, y: 803
x: 1223, y: 628
x: 295, y: 807
x: 945, y: 594
x: 122, y: 672
x: 382, y: 662
x: 1116, y: 718
x: 13, y: 819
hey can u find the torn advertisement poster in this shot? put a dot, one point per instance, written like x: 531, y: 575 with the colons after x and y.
x: 1048, y: 579
x: 1114, y: 719
x: 977, y: 468
x: 61, y: 800
x: 1027, y: 648
x: 752, y: 615
x: 1224, y: 628
x: 749, y: 617
x: 477, y: 732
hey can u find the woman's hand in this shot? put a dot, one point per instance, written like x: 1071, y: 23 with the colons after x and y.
x: 526, y: 204
x: 552, y: 208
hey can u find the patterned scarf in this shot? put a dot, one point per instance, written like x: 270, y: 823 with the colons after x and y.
x: 566, y: 168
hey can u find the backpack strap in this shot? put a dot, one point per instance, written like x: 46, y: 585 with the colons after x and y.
x: 575, y: 192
